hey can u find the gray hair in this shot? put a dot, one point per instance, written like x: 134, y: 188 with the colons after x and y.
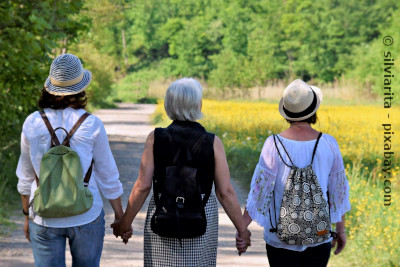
x: 183, y: 100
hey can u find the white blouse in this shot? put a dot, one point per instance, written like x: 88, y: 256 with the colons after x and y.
x: 271, y: 174
x: 89, y: 141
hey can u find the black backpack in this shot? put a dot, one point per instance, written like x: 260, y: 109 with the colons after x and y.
x: 180, y: 206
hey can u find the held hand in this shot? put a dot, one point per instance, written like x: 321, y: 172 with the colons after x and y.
x: 241, y: 246
x: 116, y: 228
x: 340, y: 241
x: 26, y: 229
x: 117, y: 221
x: 245, y: 236
x: 125, y: 237
x: 243, y: 241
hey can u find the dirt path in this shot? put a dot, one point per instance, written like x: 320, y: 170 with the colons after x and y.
x: 128, y: 127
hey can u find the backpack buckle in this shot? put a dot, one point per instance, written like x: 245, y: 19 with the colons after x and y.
x: 180, y: 202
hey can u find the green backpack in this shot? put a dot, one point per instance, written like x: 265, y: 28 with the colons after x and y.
x: 61, y: 190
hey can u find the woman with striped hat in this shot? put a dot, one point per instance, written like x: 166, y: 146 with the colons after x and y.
x: 63, y: 101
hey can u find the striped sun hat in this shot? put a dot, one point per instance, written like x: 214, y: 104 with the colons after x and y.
x: 67, y: 76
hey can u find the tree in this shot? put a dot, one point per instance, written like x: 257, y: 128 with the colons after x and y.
x: 30, y: 35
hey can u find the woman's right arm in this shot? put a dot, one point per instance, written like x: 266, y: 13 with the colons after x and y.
x: 225, y: 192
x: 240, y: 243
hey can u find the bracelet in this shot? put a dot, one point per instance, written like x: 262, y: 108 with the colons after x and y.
x: 26, y: 213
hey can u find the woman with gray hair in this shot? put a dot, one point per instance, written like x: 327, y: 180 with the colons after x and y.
x: 179, y: 180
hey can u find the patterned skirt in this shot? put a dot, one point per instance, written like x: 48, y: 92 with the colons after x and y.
x: 199, y: 251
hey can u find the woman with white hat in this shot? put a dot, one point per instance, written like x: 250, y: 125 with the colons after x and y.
x: 63, y: 101
x: 278, y: 195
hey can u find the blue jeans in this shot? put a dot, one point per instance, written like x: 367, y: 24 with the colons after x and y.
x: 85, y: 241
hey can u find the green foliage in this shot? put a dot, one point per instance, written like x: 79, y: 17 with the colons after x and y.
x: 103, y: 75
x: 134, y: 87
x: 368, y: 59
x: 242, y: 44
x: 8, y: 184
x: 31, y: 33
x: 101, y: 47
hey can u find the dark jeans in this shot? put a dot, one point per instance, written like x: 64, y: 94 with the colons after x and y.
x: 311, y: 257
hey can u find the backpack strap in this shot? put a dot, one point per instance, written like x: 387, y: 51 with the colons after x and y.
x: 75, y: 127
x: 195, y: 148
x: 66, y: 143
x: 276, y: 145
x: 199, y: 142
x: 315, y: 148
x: 54, y: 139
x: 88, y: 175
x: 273, y: 229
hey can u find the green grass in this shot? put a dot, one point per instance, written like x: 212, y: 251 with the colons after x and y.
x: 373, y: 229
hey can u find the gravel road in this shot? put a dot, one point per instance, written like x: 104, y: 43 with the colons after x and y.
x: 127, y: 128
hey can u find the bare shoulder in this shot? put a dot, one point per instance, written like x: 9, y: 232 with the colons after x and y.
x: 150, y: 138
x: 218, y: 143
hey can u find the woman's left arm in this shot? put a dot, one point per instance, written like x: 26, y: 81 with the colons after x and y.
x: 26, y: 176
x: 226, y: 194
x: 339, y: 199
x: 141, y: 189
x: 106, y: 171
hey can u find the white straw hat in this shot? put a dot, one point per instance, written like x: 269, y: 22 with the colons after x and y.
x: 299, y: 101
x: 67, y: 76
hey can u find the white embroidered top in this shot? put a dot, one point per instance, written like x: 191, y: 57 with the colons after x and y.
x: 89, y: 141
x: 271, y: 174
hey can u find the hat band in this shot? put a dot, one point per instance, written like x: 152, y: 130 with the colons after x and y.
x: 305, y: 112
x: 67, y: 83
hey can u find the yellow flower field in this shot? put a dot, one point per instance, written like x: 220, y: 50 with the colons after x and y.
x: 357, y: 129
x: 373, y: 230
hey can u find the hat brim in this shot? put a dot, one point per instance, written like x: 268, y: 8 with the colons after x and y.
x: 319, y: 95
x: 69, y: 90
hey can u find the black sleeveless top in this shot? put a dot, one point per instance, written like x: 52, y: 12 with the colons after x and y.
x: 184, y: 133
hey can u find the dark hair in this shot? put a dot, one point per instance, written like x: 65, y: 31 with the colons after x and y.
x: 311, y: 120
x: 48, y: 100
